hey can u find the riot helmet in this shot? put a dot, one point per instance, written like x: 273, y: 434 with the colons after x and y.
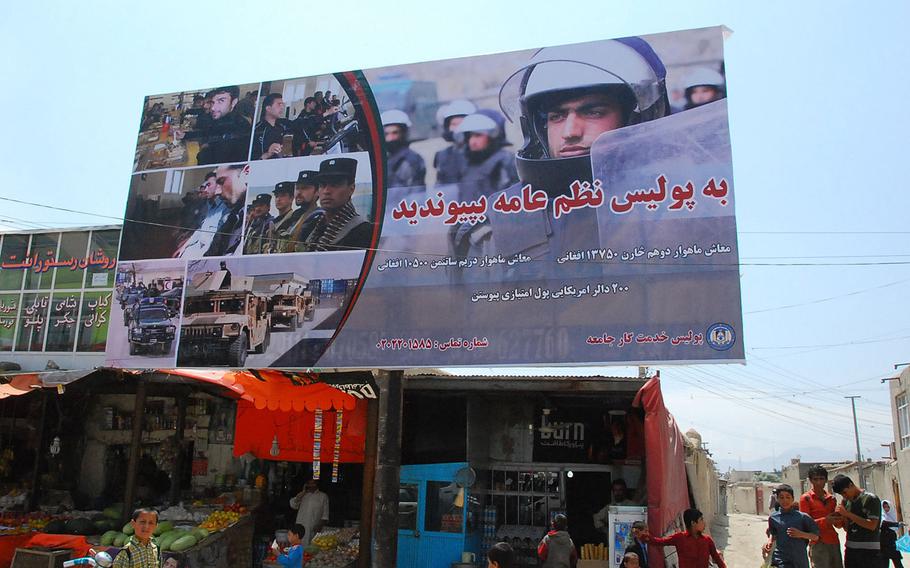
x: 395, y: 123
x: 701, y: 77
x: 626, y: 72
x: 445, y: 114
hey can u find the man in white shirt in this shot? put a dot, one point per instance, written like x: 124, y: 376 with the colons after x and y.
x: 312, y: 509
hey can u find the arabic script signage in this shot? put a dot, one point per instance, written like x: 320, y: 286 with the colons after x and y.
x: 563, y: 206
x: 56, y: 290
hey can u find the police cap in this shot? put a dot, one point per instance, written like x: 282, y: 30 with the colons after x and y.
x: 336, y: 168
x: 262, y: 199
x: 307, y: 177
x: 284, y: 187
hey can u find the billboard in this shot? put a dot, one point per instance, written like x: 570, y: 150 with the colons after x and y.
x: 571, y: 205
x: 56, y: 290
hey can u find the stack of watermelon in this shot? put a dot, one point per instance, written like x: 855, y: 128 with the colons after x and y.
x: 166, y: 537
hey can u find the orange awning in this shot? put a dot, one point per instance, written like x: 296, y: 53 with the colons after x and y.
x: 269, y: 389
x: 24, y: 383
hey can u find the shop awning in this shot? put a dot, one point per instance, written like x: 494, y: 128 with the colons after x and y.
x: 269, y: 389
x: 17, y: 383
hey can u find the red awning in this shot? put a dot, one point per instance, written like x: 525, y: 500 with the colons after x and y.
x: 269, y: 389
x: 665, y: 456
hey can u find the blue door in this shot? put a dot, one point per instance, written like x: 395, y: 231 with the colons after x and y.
x: 431, y: 516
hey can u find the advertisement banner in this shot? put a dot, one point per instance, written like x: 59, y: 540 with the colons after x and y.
x: 571, y: 205
x: 57, y: 290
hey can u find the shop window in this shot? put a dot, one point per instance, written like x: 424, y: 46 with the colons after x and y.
x: 903, y: 420
x: 63, y: 321
x: 94, y: 317
x: 9, y: 311
x: 407, y: 506
x: 104, y: 245
x: 14, y: 250
x: 43, y: 248
x: 73, y: 247
x: 445, y: 507
x: 32, y: 322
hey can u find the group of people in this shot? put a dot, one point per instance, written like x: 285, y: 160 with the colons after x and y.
x: 810, y: 522
x: 315, y: 213
x: 214, y: 214
x: 557, y: 550
x: 275, y: 136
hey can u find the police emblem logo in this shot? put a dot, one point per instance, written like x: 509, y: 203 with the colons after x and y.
x: 720, y: 336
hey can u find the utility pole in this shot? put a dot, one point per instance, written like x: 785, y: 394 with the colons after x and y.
x: 859, y: 455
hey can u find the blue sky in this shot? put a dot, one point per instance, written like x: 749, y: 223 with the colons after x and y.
x: 818, y: 125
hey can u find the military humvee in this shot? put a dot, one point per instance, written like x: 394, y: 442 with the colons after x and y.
x: 222, y: 325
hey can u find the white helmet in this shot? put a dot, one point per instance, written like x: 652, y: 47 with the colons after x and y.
x: 478, y: 123
x: 458, y: 107
x: 702, y: 76
x: 395, y: 116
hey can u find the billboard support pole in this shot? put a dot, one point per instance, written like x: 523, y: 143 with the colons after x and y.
x: 369, y: 480
x: 388, y: 462
x: 36, y: 479
x: 178, y: 439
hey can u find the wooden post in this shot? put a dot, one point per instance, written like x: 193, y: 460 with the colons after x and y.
x: 39, y: 451
x: 388, y: 463
x: 369, y: 479
x: 178, y: 439
x: 132, y: 470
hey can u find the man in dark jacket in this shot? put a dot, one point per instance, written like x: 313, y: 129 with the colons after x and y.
x: 406, y: 167
x: 227, y: 137
x: 340, y: 228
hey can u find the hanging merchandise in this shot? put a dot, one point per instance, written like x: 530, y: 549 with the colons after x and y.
x: 317, y: 444
x: 336, y: 454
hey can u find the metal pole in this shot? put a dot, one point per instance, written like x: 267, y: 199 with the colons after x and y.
x: 859, y: 455
x: 388, y: 462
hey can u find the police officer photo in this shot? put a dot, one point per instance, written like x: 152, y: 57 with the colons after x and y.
x: 564, y: 98
x: 406, y: 167
x: 268, y: 137
x: 259, y: 224
x: 341, y: 227
x: 451, y: 160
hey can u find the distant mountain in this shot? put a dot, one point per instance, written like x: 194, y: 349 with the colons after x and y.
x: 782, y: 458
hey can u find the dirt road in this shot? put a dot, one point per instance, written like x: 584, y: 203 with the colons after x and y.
x: 740, y: 537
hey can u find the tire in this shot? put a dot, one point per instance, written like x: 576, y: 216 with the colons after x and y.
x: 237, y: 351
x: 292, y: 323
x: 134, y: 349
x: 265, y: 343
x: 166, y: 347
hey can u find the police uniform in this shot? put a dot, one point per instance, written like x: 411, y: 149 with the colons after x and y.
x: 450, y: 164
x: 347, y: 230
x: 225, y: 140
x: 258, y: 230
x: 280, y: 237
x: 266, y: 134
x: 407, y: 169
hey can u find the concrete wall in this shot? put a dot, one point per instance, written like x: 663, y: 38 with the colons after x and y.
x: 749, y: 497
x: 703, y: 478
x: 900, y: 474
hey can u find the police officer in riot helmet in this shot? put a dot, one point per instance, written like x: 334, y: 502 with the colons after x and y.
x: 565, y: 98
x: 451, y: 160
x: 406, y: 167
x: 704, y: 86
x: 490, y: 167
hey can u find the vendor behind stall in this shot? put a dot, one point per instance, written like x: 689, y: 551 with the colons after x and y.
x: 312, y: 509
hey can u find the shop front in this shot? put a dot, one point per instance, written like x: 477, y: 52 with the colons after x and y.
x: 218, y: 456
x: 491, y: 459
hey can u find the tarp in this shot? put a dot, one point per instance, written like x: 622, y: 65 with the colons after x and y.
x: 665, y: 456
x: 256, y: 428
x: 286, y: 391
x: 24, y: 383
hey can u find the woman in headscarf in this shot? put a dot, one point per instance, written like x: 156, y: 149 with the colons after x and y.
x: 889, y: 536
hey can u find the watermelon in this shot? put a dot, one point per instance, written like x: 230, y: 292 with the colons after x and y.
x: 55, y: 527
x: 200, y: 533
x: 168, y: 538
x: 107, y: 539
x: 104, y: 525
x: 120, y: 540
x: 183, y: 543
x: 128, y: 529
x: 80, y: 527
x: 114, y: 512
x: 163, y: 527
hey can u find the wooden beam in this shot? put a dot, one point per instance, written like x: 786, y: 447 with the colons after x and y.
x: 369, y: 479
x: 178, y: 439
x: 388, y: 465
x: 132, y: 470
x: 39, y: 451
